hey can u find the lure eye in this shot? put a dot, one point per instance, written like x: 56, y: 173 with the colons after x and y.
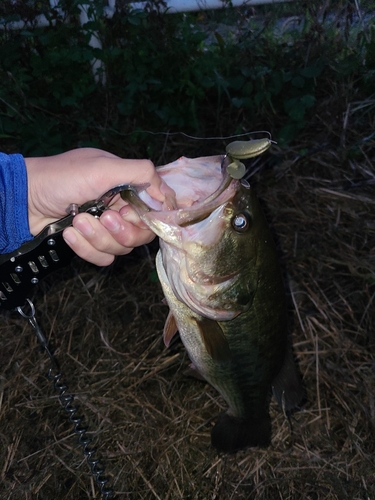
x: 240, y: 223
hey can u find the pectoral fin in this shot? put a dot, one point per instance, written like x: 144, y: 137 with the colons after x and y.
x: 170, y: 329
x: 214, y: 339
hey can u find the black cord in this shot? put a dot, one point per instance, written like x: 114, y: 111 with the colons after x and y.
x: 67, y: 401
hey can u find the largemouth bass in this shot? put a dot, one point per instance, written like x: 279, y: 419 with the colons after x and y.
x: 220, y: 274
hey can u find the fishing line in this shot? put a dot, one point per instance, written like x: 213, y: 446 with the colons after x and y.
x: 196, y: 138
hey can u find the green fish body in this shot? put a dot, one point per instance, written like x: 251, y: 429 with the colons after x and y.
x: 220, y: 274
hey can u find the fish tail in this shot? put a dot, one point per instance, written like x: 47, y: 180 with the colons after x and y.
x: 231, y: 434
x: 287, y: 385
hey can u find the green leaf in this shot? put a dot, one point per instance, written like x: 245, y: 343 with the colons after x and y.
x: 307, y: 101
x: 237, y: 103
x: 311, y: 71
x: 298, y: 82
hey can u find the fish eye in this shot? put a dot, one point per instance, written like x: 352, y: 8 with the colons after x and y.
x: 240, y: 222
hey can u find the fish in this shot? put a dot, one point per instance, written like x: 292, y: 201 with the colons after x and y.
x: 220, y: 274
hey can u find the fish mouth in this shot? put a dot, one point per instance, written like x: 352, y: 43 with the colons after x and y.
x: 188, y: 217
x: 204, y: 184
x: 204, y: 202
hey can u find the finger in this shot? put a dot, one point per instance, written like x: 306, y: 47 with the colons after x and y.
x: 100, y: 237
x: 159, y: 190
x: 85, y: 250
x: 97, y: 241
x: 143, y: 171
x: 129, y: 215
x: 126, y: 227
x: 123, y: 171
x: 94, y: 242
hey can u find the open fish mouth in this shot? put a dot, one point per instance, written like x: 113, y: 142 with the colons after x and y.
x: 189, y: 216
x: 201, y: 185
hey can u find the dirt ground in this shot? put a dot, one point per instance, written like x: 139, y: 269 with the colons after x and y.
x: 150, y: 423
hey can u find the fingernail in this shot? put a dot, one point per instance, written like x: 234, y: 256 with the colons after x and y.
x: 70, y: 237
x: 110, y: 223
x: 84, y: 227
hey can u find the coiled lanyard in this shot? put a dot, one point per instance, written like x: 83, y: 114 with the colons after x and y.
x: 20, y: 271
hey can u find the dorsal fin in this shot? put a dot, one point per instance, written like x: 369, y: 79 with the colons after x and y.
x: 214, y: 339
x: 170, y: 329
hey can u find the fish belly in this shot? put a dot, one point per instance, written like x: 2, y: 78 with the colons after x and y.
x: 244, y: 379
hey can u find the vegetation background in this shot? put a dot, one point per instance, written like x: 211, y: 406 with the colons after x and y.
x: 169, y: 84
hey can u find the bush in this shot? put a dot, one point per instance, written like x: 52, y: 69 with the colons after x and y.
x: 206, y: 73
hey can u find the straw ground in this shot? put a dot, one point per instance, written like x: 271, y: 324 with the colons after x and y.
x: 150, y: 423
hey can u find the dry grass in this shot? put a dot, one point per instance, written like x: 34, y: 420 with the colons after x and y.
x: 152, y: 424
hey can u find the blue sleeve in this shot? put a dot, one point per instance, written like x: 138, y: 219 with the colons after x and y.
x: 14, y: 219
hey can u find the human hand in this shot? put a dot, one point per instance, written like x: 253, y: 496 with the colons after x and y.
x: 82, y: 175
